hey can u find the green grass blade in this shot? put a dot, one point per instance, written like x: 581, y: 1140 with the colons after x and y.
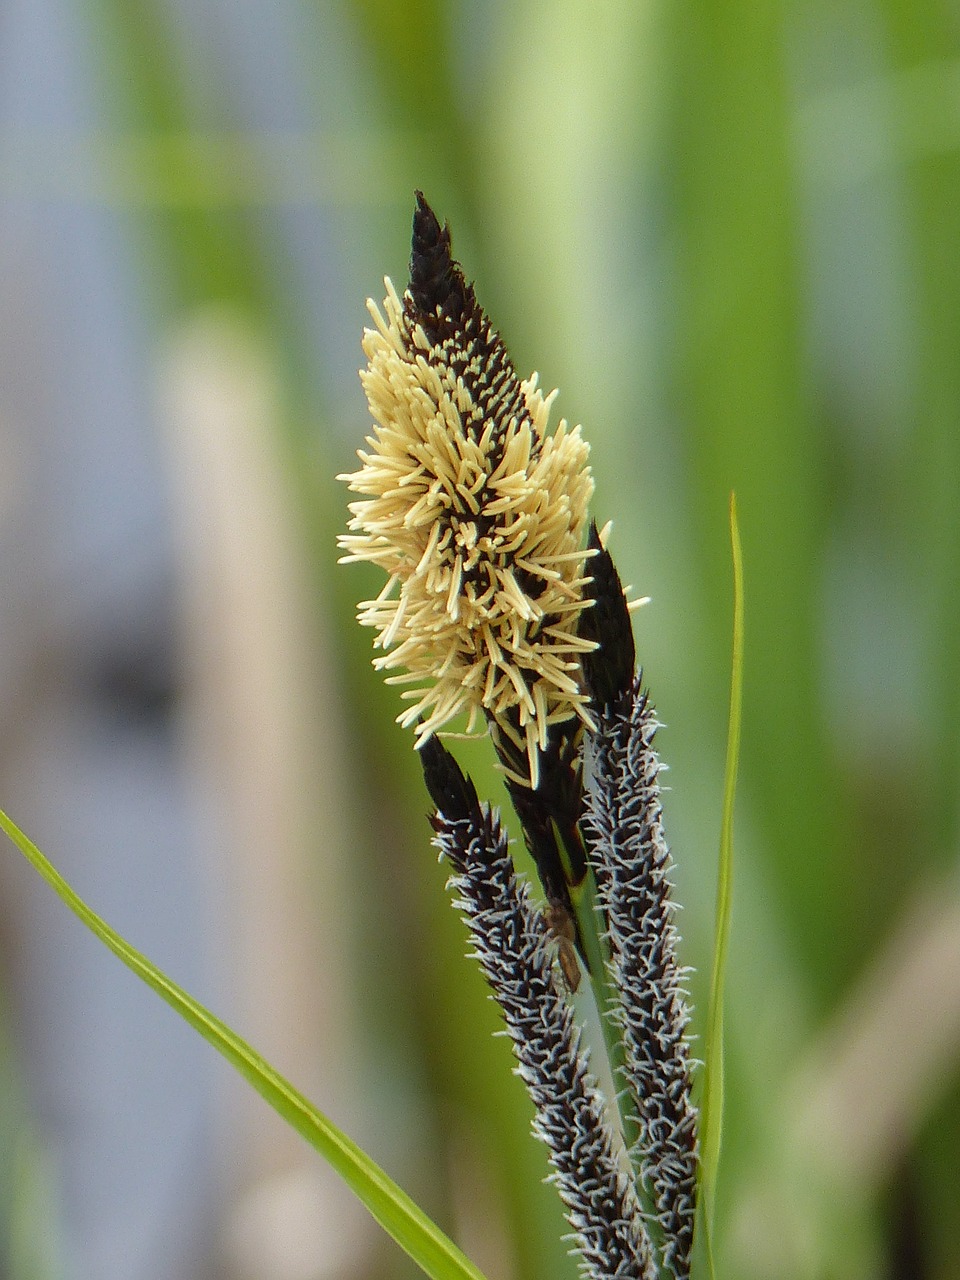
x: 399, y: 1216
x: 711, y: 1115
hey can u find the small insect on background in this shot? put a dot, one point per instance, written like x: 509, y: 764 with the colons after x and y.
x: 564, y: 934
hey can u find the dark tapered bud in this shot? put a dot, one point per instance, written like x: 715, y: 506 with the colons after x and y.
x: 550, y: 812
x: 436, y: 281
x: 450, y: 789
x: 608, y: 669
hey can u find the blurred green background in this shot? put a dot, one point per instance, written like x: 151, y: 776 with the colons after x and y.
x: 729, y: 233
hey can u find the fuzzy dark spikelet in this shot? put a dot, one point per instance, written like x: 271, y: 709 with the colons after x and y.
x: 624, y: 831
x: 511, y: 940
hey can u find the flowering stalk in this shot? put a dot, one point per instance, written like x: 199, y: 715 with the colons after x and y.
x: 512, y: 942
x: 624, y: 822
x: 623, y: 826
x: 478, y: 516
x: 500, y: 604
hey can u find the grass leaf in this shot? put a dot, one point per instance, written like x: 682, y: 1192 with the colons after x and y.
x: 711, y: 1123
x: 399, y: 1216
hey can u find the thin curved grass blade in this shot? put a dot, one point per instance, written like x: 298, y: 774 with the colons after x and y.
x: 711, y: 1110
x: 399, y: 1216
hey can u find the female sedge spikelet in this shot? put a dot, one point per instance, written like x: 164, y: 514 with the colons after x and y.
x: 623, y: 827
x: 474, y: 511
x: 512, y: 941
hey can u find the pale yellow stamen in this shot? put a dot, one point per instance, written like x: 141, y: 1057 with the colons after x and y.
x: 479, y: 523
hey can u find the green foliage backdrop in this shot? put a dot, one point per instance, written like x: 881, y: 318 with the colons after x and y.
x: 729, y: 233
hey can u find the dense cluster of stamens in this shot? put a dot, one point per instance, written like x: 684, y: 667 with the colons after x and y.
x: 475, y: 512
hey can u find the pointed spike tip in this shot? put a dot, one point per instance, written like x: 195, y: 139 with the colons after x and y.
x: 607, y: 670
x: 451, y: 790
x: 436, y: 281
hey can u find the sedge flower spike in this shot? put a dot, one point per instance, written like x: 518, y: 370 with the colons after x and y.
x: 475, y: 511
x: 623, y: 824
x: 500, y: 603
x: 514, y: 944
